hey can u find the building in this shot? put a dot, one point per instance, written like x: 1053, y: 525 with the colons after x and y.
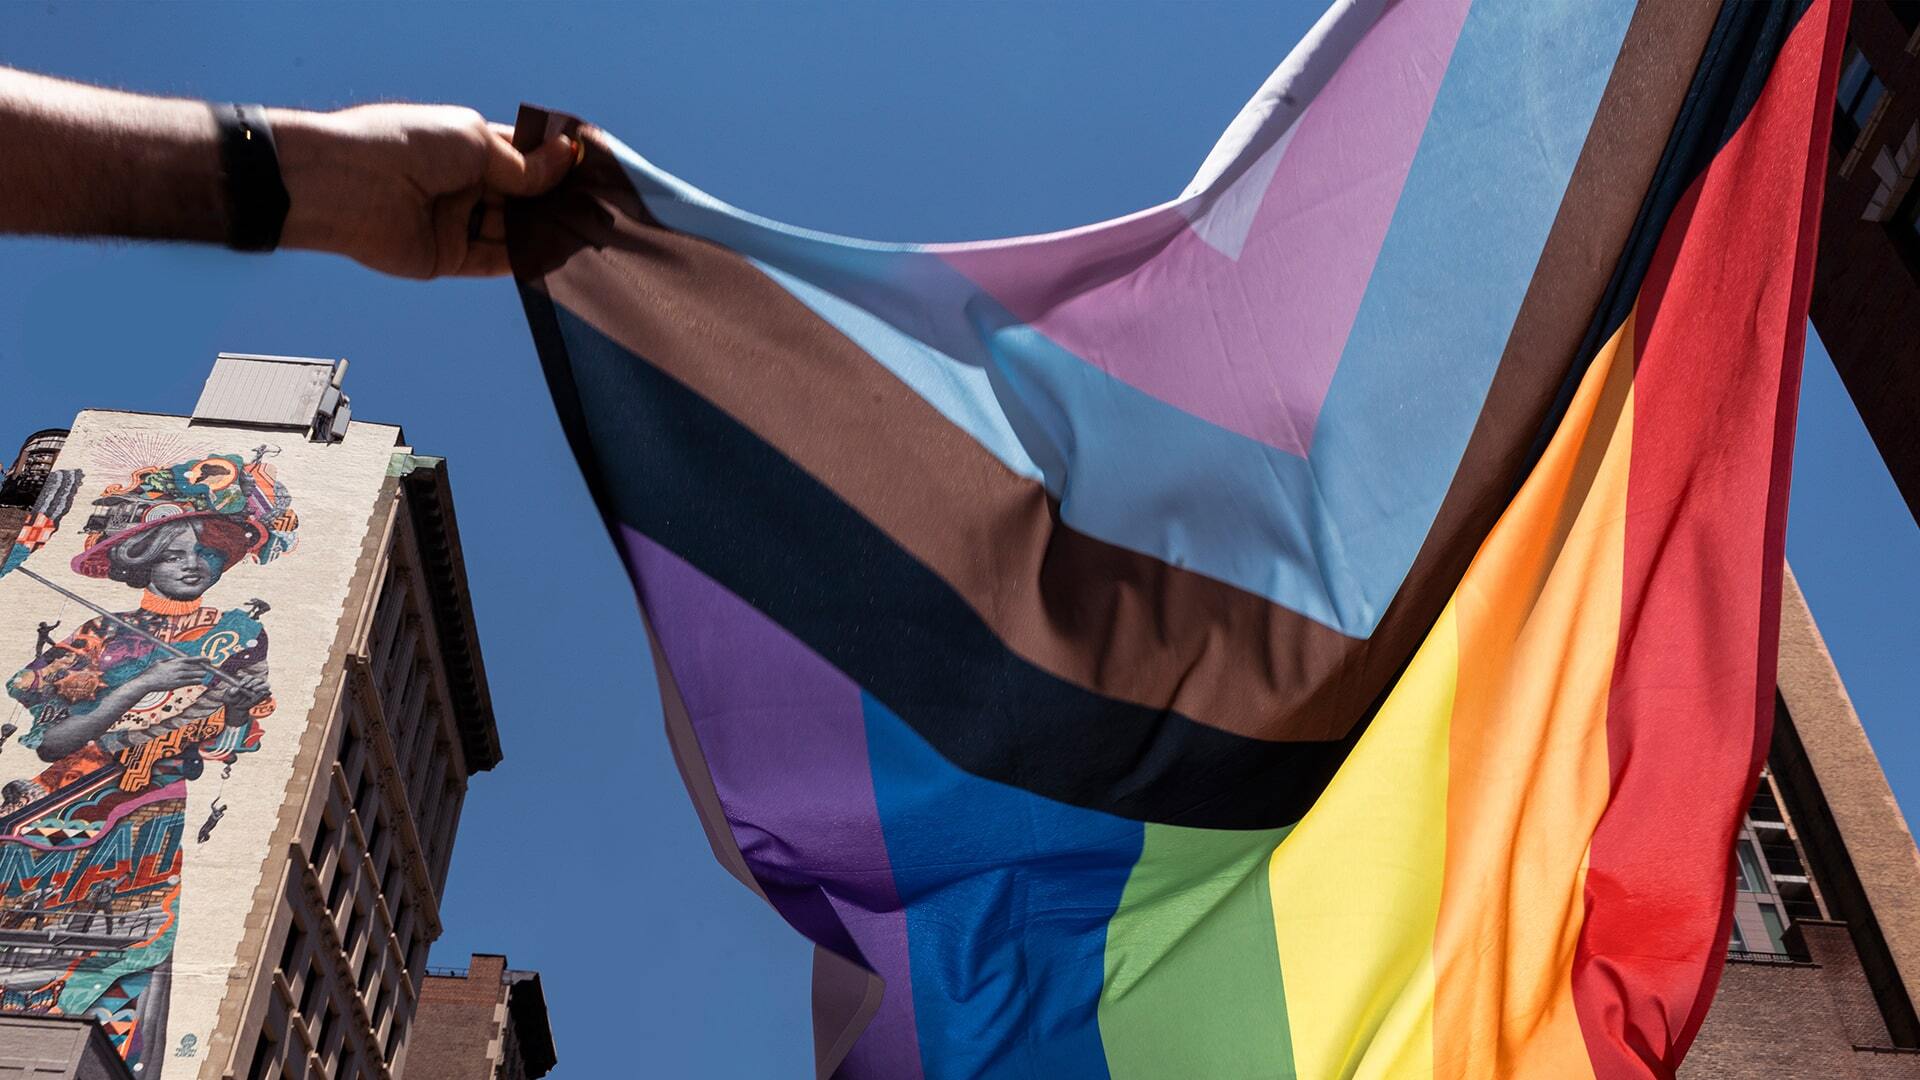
x: 487, y: 1022
x: 1823, y: 965
x: 246, y: 698
x: 1866, y: 292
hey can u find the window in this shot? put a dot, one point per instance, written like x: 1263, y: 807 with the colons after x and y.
x: 310, y: 992
x: 1782, y: 857
x: 1776, y: 928
x: 1749, y: 878
x: 1860, y: 91
x: 265, y: 1051
x: 1739, y: 941
x: 296, y: 937
x: 1764, y: 808
x: 321, y: 841
x: 395, y: 1038
x: 381, y: 1004
x: 342, y: 877
x: 1798, y: 898
x: 326, y: 1029
x: 349, y: 743
x: 356, y: 925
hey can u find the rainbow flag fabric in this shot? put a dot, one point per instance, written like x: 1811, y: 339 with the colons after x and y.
x: 1320, y: 626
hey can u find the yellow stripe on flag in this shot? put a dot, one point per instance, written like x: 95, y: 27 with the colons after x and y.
x: 1356, y: 888
x: 1485, y: 770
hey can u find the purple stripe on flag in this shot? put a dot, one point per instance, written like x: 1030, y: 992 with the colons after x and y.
x: 1248, y: 343
x: 785, y: 740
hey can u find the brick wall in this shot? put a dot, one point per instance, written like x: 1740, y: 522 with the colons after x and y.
x: 456, y: 1023
x: 11, y: 519
x: 1813, y: 1019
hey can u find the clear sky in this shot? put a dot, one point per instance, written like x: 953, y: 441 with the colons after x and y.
x: 579, y: 855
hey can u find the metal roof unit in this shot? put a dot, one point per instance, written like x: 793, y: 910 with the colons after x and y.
x: 296, y: 392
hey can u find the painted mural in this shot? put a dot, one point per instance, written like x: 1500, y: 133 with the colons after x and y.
x: 124, y: 710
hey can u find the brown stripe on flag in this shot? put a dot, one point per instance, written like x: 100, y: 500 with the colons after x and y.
x: 1609, y: 182
x: 1117, y: 622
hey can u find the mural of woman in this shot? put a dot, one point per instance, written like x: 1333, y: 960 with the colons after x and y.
x: 125, y: 712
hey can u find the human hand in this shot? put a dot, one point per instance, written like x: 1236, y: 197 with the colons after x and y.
x: 251, y: 691
x: 413, y: 190
x: 170, y: 673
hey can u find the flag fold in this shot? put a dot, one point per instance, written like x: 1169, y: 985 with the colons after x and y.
x: 1320, y: 626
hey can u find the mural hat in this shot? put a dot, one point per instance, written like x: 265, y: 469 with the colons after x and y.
x: 243, y: 511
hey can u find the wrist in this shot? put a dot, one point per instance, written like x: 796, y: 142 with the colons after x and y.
x: 313, y: 151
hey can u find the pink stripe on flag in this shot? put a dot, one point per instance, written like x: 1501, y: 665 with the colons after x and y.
x: 1248, y: 343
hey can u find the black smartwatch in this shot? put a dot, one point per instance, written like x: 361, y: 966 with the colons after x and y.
x: 257, y: 199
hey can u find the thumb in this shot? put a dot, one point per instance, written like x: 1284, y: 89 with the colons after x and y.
x: 511, y: 173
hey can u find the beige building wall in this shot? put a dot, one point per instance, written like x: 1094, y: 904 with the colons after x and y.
x: 331, y: 490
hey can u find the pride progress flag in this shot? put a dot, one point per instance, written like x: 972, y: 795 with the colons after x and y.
x: 1320, y: 626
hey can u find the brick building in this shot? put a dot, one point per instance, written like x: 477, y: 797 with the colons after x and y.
x: 1824, y: 962
x: 245, y: 699
x: 1866, y: 293
x: 487, y: 1022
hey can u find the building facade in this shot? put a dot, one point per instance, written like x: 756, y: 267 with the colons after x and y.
x: 1866, y: 291
x: 246, y: 698
x: 1823, y: 961
x: 486, y: 1022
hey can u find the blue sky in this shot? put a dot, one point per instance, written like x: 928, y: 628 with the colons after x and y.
x: 580, y: 856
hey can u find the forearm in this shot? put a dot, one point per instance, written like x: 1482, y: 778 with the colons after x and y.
x: 79, y: 729
x: 412, y: 190
x: 85, y: 161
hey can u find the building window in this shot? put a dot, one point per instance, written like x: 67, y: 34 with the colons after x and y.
x: 322, y: 838
x: 342, y: 877
x: 356, y: 925
x: 1860, y: 91
x: 265, y: 1056
x: 1738, y: 942
x: 1749, y: 879
x: 1776, y: 928
x: 349, y: 742
x: 310, y: 991
x: 296, y: 937
x: 381, y: 1003
x: 326, y: 1025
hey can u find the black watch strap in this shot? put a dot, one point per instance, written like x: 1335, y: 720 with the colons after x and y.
x: 256, y: 196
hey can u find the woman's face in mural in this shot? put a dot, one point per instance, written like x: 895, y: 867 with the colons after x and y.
x: 172, y: 563
x: 184, y: 568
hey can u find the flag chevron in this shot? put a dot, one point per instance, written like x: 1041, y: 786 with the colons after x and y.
x: 1096, y: 716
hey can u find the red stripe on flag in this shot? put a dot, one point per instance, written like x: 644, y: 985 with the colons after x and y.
x: 1722, y: 324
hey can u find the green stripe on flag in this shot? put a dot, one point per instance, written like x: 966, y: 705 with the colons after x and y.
x: 1192, y: 971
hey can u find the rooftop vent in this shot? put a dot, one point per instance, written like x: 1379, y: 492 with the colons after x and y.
x: 294, y: 392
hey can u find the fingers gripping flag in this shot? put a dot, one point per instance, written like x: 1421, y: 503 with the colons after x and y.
x: 1318, y: 626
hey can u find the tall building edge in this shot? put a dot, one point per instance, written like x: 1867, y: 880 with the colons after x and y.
x: 410, y: 567
x: 211, y: 865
